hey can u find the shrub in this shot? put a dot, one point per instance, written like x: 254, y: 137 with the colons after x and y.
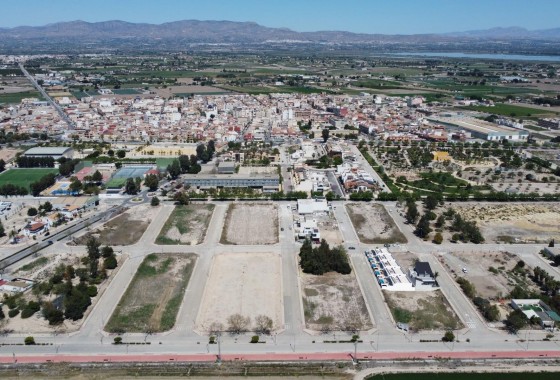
x: 92, y: 290
x: 26, y: 313
x: 438, y: 238
x: 155, y: 201
x: 255, y: 339
x: 13, y: 312
x: 32, y: 211
x: 110, y: 262
x: 29, y: 341
x: 448, y: 336
x: 118, y: 340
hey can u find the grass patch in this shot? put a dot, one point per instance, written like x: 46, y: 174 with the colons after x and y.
x: 154, y: 296
x: 188, y: 220
x: 25, y: 177
x: 39, y: 262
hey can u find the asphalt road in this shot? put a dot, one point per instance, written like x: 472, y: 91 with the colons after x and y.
x: 384, y: 338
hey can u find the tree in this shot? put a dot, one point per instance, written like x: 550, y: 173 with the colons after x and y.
x: 448, y: 336
x: 182, y: 198
x: 97, y: 176
x: 130, y: 187
x: 325, y: 134
x: 29, y: 341
x: 47, y: 206
x: 412, y: 213
x: 107, y: 251
x: 152, y: 182
x: 92, y: 248
x: 2, y: 315
x: 2, y: 165
x: 154, y: 202
x: 121, y: 153
x: 551, y: 244
x: 516, y: 320
x: 32, y: 211
x: 2, y: 232
x: 431, y: 202
x: 440, y: 221
x: 238, y: 324
x: 174, y: 169
x: 110, y: 262
x: 263, y: 324
x: 75, y: 185
x: 438, y: 239
x: 110, y: 152
x: 423, y: 227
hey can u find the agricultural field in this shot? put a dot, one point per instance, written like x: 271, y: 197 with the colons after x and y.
x: 154, y: 296
x: 517, y: 222
x: 25, y: 177
x: 186, y: 225
x: 422, y: 310
x: 251, y: 224
x: 16, y: 97
x: 373, y: 224
x: 125, y: 229
x: 236, y: 286
x: 508, y: 110
x: 334, y: 302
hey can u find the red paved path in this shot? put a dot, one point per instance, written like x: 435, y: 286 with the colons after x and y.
x: 7, y: 358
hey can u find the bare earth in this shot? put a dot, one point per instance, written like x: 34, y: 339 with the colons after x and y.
x: 193, y: 219
x: 7, y: 154
x: 251, y: 224
x: 334, y: 302
x: 373, y: 224
x: 249, y: 284
x: 125, y: 229
x: 526, y: 222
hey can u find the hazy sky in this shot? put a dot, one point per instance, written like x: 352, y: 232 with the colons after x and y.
x: 367, y: 16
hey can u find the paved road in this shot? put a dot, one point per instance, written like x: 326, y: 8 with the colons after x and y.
x: 385, y: 339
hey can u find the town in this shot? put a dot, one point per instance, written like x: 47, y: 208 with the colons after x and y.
x: 235, y: 207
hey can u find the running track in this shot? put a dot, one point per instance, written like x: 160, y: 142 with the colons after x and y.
x: 275, y: 357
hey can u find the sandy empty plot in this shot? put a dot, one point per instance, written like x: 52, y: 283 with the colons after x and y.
x: 7, y: 154
x: 373, y: 224
x: 489, y: 283
x: 251, y: 224
x: 186, y: 225
x: 249, y: 284
x: 334, y: 302
x: 524, y: 222
x: 422, y: 310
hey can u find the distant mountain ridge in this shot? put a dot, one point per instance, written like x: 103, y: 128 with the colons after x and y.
x: 244, y: 32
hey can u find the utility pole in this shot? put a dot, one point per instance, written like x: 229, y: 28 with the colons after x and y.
x: 219, y: 347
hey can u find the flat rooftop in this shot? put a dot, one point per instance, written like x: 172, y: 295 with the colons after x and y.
x: 477, y: 125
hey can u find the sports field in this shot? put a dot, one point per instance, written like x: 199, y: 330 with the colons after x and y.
x: 24, y: 177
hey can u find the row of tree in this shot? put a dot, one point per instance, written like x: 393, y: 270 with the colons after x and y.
x: 35, y: 162
x: 44, y: 183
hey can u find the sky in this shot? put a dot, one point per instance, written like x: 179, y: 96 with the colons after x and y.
x: 361, y: 16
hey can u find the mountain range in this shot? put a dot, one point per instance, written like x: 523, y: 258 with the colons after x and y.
x: 246, y: 32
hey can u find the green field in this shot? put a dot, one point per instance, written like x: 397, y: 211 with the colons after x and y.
x: 17, y: 96
x: 126, y: 91
x: 465, y: 376
x: 507, y: 110
x: 24, y: 177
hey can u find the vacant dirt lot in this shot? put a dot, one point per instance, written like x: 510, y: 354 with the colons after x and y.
x: 334, y: 302
x: 249, y: 284
x: 373, y: 224
x: 422, y: 310
x: 125, y: 229
x: 515, y: 222
x: 251, y: 224
x: 186, y: 225
x: 406, y: 260
x: 7, y: 154
x: 489, y: 272
x: 153, y: 298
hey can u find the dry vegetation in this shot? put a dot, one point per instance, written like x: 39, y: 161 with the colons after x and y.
x: 522, y: 222
x: 155, y: 294
x: 373, y: 224
x: 251, y: 224
x: 125, y: 229
x: 422, y: 310
x: 186, y: 225
x: 334, y: 302
x: 243, y: 284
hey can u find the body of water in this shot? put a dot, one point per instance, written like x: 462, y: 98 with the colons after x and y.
x: 510, y: 57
